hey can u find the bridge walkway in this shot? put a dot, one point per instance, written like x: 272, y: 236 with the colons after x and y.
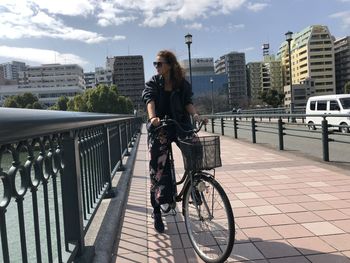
x: 287, y: 209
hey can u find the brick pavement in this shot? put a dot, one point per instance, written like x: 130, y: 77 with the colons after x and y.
x: 287, y: 209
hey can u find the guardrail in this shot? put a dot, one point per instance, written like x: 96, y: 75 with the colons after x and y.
x: 55, y: 169
x: 282, y: 125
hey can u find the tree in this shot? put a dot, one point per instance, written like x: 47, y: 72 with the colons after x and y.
x: 62, y: 103
x: 271, y: 97
x: 102, y: 99
x: 347, y: 87
x: 25, y: 100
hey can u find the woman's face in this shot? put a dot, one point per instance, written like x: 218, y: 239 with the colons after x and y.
x: 161, y: 65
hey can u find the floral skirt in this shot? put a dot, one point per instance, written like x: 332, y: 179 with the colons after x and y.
x: 162, y: 186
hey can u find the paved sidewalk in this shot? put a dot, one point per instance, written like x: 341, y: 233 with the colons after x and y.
x: 287, y: 209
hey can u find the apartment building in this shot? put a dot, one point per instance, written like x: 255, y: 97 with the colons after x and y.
x: 233, y: 64
x: 264, y: 75
x: 312, y: 57
x: 342, y: 62
x: 99, y: 76
x: 10, y: 70
x: 90, y: 80
x: 129, y: 77
x: 51, y: 81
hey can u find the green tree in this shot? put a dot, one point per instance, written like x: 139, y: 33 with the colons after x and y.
x: 103, y: 99
x: 271, y: 97
x: 62, y: 103
x: 25, y: 100
x: 10, y: 102
x: 347, y: 87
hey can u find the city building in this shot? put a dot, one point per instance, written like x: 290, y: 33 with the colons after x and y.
x: 11, y: 69
x: 233, y: 64
x: 202, y: 73
x: 100, y: 76
x: 90, y: 80
x: 103, y: 76
x: 312, y: 57
x: 342, y: 63
x: 51, y: 81
x: 2, y: 77
x: 199, y: 66
x: 301, y: 93
x: 264, y: 75
x: 129, y: 77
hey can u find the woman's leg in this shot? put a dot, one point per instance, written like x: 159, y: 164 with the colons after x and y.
x: 158, y: 149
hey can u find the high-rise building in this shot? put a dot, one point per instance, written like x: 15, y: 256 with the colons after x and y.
x: 51, y: 81
x: 233, y: 64
x: 129, y: 77
x: 199, y: 66
x: 2, y: 77
x: 202, y: 72
x: 342, y: 62
x: 90, y: 80
x: 11, y: 69
x: 312, y: 57
x: 264, y: 75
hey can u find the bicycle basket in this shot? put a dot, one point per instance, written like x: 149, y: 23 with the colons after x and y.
x: 201, y: 153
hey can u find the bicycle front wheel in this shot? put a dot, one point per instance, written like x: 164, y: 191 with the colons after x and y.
x: 209, y: 219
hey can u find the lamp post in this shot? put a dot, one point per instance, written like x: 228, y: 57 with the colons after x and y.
x: 212, y: 95
x: 289, y: 38
x: 188, y: 41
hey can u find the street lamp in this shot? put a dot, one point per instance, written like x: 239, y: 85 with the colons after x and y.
x: 289, y: 38
x: 188, y: 41
x: 212, y: 96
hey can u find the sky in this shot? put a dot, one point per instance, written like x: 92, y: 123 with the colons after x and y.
x: 84, y: 32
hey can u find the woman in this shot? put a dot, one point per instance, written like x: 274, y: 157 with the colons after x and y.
x: 167, y: 94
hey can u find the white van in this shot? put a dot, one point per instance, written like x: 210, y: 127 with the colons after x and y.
x: 329, y: 104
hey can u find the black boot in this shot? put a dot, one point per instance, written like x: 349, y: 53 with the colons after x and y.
x: 158, y: 222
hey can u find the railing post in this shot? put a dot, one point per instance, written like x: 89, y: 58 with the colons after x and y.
x: 253, y: 130
x: 121, y: 166
x: 235, y: 127
x: 325, y: 140
x: 71, y: 189
x: 280, y: 133
x: 222, y: 126
x: 212, y: 125
x: 107, y: 166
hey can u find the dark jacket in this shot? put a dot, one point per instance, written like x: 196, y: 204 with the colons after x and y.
x: 179, y: 98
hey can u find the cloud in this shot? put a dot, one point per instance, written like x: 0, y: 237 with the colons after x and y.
x: 194, y: 26
x: 247, y: 49
x: 40, y: 56
x: 27, y: 20
x: 344, y: 16
x: 66, y: 7
x: 256, y: 7
x: 236, y: 27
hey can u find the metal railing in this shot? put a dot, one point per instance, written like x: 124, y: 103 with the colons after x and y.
x: 55, y: 169
x: 281, y: 125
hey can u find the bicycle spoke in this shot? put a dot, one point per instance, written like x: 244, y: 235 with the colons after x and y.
x: 209, y: 222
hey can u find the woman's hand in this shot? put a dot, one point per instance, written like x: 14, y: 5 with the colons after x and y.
x: 198, y: 118
x: 155, y: 121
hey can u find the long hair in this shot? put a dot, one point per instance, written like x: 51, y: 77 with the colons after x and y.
x: 177, y: 73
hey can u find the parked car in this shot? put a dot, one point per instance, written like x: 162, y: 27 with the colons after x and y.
x: 329, y: 104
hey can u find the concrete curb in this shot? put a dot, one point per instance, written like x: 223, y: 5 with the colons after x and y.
x: 113, y: 218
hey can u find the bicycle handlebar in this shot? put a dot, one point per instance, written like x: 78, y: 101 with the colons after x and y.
x: 167, y: 121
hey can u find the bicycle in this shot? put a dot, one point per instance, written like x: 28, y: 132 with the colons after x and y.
x: 206, y: 209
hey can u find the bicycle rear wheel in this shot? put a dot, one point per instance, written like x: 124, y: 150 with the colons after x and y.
x: 209, y: 219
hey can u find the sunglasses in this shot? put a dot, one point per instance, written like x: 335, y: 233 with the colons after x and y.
x: 158, y: 64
